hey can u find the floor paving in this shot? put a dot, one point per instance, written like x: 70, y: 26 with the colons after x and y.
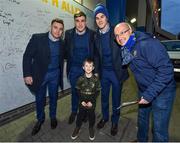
x: 63, y: 132
x: 20, y: 130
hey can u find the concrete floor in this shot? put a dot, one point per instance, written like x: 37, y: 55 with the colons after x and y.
x: 20, y: 129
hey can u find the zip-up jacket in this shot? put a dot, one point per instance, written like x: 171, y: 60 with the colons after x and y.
x: 151, y: 66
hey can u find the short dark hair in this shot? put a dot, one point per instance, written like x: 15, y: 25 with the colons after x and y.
x: 88, y: 60
x: 58, y: 20
x: 79, y: 14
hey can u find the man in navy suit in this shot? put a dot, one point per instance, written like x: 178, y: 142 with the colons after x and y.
x: 79, y: 44
x: 109, y: 66
x: 43, y: 68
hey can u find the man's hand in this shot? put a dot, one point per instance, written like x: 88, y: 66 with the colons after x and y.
x: 28, y: 80
x: 143, y: 101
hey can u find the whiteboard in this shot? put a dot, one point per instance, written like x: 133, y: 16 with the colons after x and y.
x: 19, y: 19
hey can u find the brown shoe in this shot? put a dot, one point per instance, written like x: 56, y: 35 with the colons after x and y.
x: 114, y: 129
x: 53, y: 123
x: 101, y: 124
x: 36, y: 128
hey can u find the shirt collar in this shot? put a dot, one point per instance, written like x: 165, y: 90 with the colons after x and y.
x: 105, y: 29
x: 80, y: 33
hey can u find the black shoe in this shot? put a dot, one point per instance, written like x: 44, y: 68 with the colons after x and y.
x: 114, y: 129
x: 36, y: 128
x: 53, y: 123
x: 134, y: 140
x: 72, y: 118
x: 91, y: 134
x: 101, y: 124
x: 75, y: 133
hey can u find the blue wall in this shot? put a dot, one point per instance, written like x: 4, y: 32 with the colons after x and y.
x: 117, y: 10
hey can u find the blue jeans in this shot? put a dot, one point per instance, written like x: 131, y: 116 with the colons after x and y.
x: 74, y: 74
x: 51, y: 81
x: 161, y: 108
x: 110, y: 79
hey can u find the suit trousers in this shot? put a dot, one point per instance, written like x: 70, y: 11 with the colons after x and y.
x: 51, y: 81
x: 74, y: 74
x: 109, y: 79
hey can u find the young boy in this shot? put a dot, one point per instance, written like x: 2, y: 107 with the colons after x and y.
x: 88, y: 87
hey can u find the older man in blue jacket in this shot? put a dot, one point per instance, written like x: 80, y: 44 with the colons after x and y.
x: 153, y: 71
x: 43, y: 62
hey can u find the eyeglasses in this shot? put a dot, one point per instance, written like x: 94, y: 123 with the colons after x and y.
x: 121, y: 33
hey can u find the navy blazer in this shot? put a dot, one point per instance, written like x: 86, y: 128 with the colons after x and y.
x: 69, y: 45
x: 120, y: 71
x: 36, y: 59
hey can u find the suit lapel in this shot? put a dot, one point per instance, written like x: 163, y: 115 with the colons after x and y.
x: 46, y: 45
x: 114, y: 49
x: 72, y: 41
x: 99, y: 45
